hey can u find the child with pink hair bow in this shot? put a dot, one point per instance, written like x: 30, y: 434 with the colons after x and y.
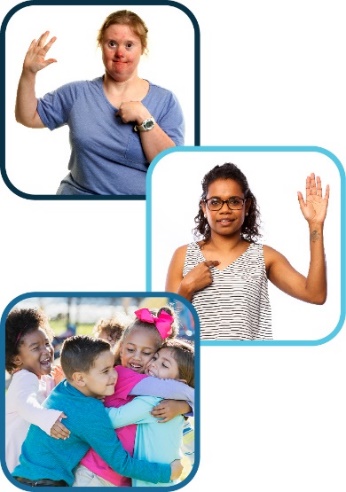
x: 139, y: 344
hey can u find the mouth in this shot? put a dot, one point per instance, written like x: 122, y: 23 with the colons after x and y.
x: 226, y: 221
x: 46, y: 363
x: 135, y: 367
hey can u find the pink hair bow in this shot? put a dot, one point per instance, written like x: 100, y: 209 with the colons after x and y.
x: 163, y: 322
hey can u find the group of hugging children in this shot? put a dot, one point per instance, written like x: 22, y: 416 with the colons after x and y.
x: 109, y: 412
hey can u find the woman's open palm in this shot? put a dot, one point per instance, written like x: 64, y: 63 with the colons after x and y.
x: 35, y: 58
x: 314, y: 208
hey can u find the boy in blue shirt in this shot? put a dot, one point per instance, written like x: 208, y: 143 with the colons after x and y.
x: 88, y: 366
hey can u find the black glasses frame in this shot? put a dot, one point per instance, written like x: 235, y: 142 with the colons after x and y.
x: 207, y: 200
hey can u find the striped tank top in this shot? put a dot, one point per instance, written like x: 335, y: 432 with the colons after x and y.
x: 236, y: 305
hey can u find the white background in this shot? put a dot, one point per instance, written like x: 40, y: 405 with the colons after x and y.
x: 272, y: 73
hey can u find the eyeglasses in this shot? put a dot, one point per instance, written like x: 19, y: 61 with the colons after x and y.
x: 233, y: 203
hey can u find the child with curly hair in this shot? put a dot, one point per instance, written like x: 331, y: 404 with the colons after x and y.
x: 29, y: 360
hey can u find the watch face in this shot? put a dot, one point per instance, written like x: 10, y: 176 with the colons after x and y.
x: 148, y: 125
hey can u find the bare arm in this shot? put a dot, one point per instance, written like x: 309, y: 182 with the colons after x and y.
x: 153, y: 141
x: 197, y: 279
x: 26, y: 102
x: 312, y: 288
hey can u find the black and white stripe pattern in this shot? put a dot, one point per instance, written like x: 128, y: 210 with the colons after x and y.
x: 236, y: 305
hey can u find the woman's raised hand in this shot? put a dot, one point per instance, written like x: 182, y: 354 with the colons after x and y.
x: 314, y: 208
x: 35, y: 58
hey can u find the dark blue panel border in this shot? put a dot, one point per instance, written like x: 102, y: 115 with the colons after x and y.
x: 197, y: 97
x: 292, y: 149
x: 172, y: 297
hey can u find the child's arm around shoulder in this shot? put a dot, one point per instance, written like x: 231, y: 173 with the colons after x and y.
x: 165, y: 388
x: 136, y: 411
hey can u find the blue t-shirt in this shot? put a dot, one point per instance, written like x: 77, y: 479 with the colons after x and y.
x: 106, y: 154
x: 45, y: 457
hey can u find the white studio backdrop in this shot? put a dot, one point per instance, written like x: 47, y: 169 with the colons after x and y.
x: 272, y: 73
x: 78, y: 58
x: 274, y: 178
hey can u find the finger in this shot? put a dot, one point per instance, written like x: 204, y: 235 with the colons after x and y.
x: 301, y: 200
x: 42, y: 39
x: 49, y: 62
x: 326, y: 195
x: 211, y: 263
x: 48, y: 46
x: 318, y: 186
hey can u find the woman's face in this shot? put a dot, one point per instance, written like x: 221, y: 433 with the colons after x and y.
x: 121, y: 52
x: 137, y: 349
x: 35, y: 353
x: 225, y: 221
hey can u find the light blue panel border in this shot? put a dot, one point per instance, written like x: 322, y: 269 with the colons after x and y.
x: 292, y: 149
x: 174, y: 297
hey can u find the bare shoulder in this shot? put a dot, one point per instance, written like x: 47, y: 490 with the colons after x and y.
x: 180, y: 253
x: 175, y: 270
x: 271, y: 255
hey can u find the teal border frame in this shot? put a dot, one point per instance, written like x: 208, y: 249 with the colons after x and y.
x: 104, y: 294
x: 292, y: 149
x: 197, y: 94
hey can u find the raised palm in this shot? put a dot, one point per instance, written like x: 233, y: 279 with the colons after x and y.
x: 35, y: 58
x: 314, y: 208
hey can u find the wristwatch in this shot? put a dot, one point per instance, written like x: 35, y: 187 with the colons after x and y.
x: 146, y: 126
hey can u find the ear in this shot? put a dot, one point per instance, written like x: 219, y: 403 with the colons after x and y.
x: 248, y: 205
x: 78, y: 379
x: 17, y: 360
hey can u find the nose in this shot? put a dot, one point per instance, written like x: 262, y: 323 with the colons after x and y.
x: 119, y: 52
x: 136, y: 355
x: 152, y: 363
x: 224, y: 204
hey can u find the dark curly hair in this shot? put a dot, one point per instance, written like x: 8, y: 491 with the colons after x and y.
x: 250, y: 228
x: 138, y: 324
x: 19, y: 323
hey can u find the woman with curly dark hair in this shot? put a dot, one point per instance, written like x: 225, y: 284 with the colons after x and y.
x: 225, y: 272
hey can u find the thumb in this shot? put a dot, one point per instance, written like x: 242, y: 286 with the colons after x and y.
x: 63, y: 416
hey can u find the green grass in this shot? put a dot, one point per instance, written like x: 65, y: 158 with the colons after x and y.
x: 59, y: 327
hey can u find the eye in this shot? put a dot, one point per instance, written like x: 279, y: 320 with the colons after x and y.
x: 147, y: 354
x: 235, y: 201
x: 214, y: 201
x: 129, y: 45
x: 112, y: 44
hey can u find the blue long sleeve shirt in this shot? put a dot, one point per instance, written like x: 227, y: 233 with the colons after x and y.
x: 45, y: 457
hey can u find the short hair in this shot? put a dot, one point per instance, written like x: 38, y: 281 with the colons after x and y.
x: 19, y: 323
x: 78, y: 353
x: 183, y: 352
x: 127, y: 18
x: 250, y: 228
x: 137, y: 324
